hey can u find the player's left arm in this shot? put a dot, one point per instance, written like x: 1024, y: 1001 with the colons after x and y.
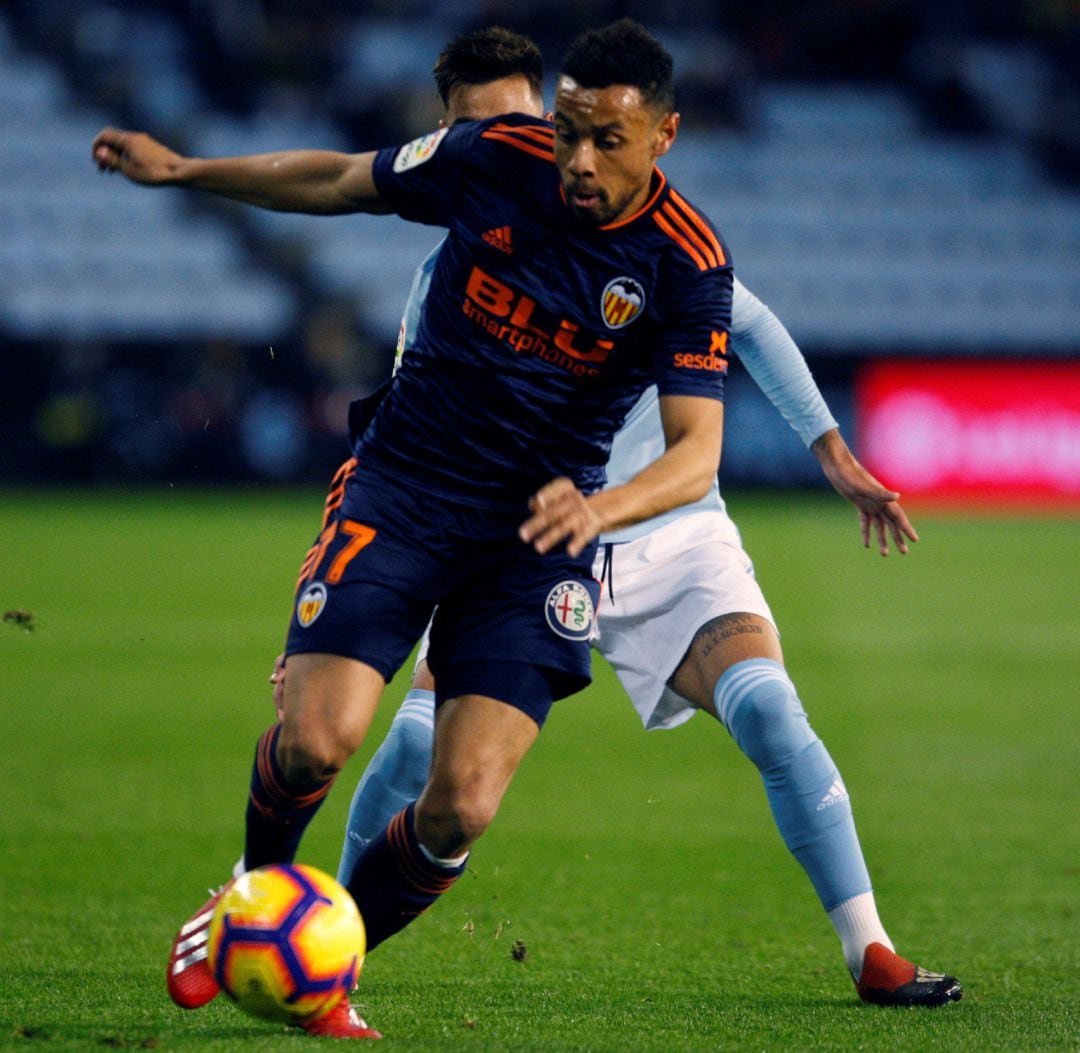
x: 693, y: 430
x: 777, y: 366
x: 879, y: 508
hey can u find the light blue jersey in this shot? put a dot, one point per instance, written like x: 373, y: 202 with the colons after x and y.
x: 760, y: 340
x: 414, y: 305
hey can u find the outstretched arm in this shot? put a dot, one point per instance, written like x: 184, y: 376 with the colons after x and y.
x: 777, y: 366
x: 321, y: 182
x: 879, y: 508
x: 693, y: 428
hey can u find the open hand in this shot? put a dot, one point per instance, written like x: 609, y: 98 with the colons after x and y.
x: 880, y: 512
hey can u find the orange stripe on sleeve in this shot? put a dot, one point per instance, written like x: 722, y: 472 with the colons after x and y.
x: 680, y: 221
x: 675, y: 236
x: 536, y: 151
x: 702, y: 226
x: 540, y: 134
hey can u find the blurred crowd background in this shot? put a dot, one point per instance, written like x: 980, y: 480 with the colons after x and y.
x: 898, y: 179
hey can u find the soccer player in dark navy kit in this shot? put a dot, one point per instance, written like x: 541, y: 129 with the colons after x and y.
x: 572, y: 277
x: 659, y: 615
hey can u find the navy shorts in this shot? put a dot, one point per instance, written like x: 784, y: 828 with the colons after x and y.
x: 509, y: 621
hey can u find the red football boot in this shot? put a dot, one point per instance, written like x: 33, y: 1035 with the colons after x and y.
x: 188, y: 976
x: 888, y: 979
x: 341, y: 1022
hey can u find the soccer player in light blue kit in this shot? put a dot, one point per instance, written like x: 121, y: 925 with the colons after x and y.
x: 683, y: 621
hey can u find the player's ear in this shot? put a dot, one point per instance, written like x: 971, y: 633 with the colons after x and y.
x: 442, y: 123
x: 666, y: 130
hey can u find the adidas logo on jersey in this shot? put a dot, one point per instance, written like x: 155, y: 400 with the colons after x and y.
x: 499, y: 238
x: 836, y: 795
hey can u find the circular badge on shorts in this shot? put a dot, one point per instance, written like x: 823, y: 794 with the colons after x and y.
x: 311, y: 603
x: 569, y: 611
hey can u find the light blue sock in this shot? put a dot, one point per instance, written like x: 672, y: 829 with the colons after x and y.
x: 758, y: 704
x: 393, y: 778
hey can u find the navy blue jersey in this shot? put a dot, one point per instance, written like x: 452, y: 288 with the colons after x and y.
x: 539, y: 332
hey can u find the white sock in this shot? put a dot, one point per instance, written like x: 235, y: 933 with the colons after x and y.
x: 446, y: 864
x: 857, y: 924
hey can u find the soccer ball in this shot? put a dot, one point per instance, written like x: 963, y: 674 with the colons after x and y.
x: 286, y: 943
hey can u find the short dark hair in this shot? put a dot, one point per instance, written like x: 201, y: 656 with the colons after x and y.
x: 623, y: 53
x: 486, y: 55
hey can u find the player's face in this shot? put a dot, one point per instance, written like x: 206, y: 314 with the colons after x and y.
x: 607, y: 141
x: 477, y: 102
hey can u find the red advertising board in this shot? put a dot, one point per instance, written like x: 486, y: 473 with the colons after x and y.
x: 1001, y: 431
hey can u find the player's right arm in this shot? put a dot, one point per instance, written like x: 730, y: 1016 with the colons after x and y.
x: 684, y: 472
x: 320, y: 182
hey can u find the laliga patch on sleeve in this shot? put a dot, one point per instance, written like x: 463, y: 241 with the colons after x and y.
x: 418, y: 151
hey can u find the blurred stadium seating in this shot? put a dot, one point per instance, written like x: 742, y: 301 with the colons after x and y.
x: 878, y: 208
x: 80, y: 258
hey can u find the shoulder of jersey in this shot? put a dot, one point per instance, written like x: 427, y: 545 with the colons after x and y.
x: 691, y: 232
x: 530, y: 135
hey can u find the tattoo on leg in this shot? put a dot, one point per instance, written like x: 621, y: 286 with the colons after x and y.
x: 717, y: 630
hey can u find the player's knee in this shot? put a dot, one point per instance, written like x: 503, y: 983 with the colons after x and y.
x: 450, y: 819
x: 308, y: 753
x: 465, y: 815
x: 770, y: 726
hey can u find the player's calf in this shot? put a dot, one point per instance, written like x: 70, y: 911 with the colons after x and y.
x: 449, y: 820
x: 758, y: 704
x: 396, y: 879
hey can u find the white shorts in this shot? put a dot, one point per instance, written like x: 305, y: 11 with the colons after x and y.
x: 658, y: 591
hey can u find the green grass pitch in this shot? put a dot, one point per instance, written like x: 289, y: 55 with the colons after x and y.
x: 641, y: 872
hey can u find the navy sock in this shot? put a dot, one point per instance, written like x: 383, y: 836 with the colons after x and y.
x: 394, y: 882
x: 277, y: 813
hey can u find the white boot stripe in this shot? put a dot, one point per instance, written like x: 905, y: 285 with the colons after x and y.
x: 197, y: 922
x: 197, y: 940
x: 186, y: 962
